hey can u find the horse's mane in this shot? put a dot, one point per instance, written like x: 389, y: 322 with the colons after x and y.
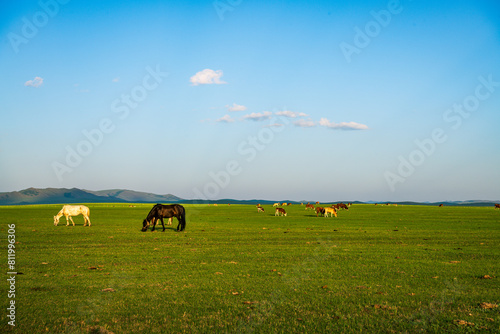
x: 152, y: 212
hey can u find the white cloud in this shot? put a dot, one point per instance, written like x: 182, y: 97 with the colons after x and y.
x: 236, y: 107
x: 303, y: 123
x: 225, y: 119
x: 343, y: 125
x: 291, y: 114
x: 257, y: 116
x: 36, y: 82
x: 117, y: 79
x: 207, y: 77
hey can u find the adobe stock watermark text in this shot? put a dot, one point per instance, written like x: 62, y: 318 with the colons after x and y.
x: 454, y: 117
x: 32, y: 25
x: 364, y: 35
x: 121, y: 108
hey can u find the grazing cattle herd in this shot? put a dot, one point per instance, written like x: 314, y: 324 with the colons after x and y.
x: 319, y: 210
x: 160, y: 211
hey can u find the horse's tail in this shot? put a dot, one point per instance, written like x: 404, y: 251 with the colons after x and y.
x: 183, y: 217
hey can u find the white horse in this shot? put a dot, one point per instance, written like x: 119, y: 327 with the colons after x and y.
x: 73, y: 210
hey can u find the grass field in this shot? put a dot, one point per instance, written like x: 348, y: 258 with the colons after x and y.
x: 373, y: 269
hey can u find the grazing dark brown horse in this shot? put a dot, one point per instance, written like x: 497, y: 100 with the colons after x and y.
x: 160, y: 211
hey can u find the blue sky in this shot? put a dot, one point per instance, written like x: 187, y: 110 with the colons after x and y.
x: 325, y: 100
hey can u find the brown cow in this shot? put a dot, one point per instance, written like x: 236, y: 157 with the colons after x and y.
x: 497, y: 206
x: 342, y: 206
x: 309, y: 206
x: 440, y: 205
x: 260, y: 209
x: 320, y: 210
x: 280, y: 211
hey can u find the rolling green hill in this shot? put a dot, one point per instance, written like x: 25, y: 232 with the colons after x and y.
x: 74, y: 195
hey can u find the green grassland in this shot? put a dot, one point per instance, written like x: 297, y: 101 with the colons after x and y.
x: 372, y: 269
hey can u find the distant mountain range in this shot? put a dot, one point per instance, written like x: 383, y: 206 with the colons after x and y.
x: 74, y: 195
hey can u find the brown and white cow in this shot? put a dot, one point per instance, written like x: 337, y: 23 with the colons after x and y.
x: 280, y: 212
x: 497, y: 206
x: 260, y: 209
x: 309, y: 206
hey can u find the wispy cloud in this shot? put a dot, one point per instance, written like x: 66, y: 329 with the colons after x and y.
x: 274, y: 125
x: 79, y: 90
x: 36, y: 82
x: 304, y: 123
x: 257, y: 116
x: 291, y: 114
x: 207, y: 77
x: 343, y: 125
x: 299, y: 119
x: 117, y: 79
x: 236, y: 107
x: 225, y: 119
